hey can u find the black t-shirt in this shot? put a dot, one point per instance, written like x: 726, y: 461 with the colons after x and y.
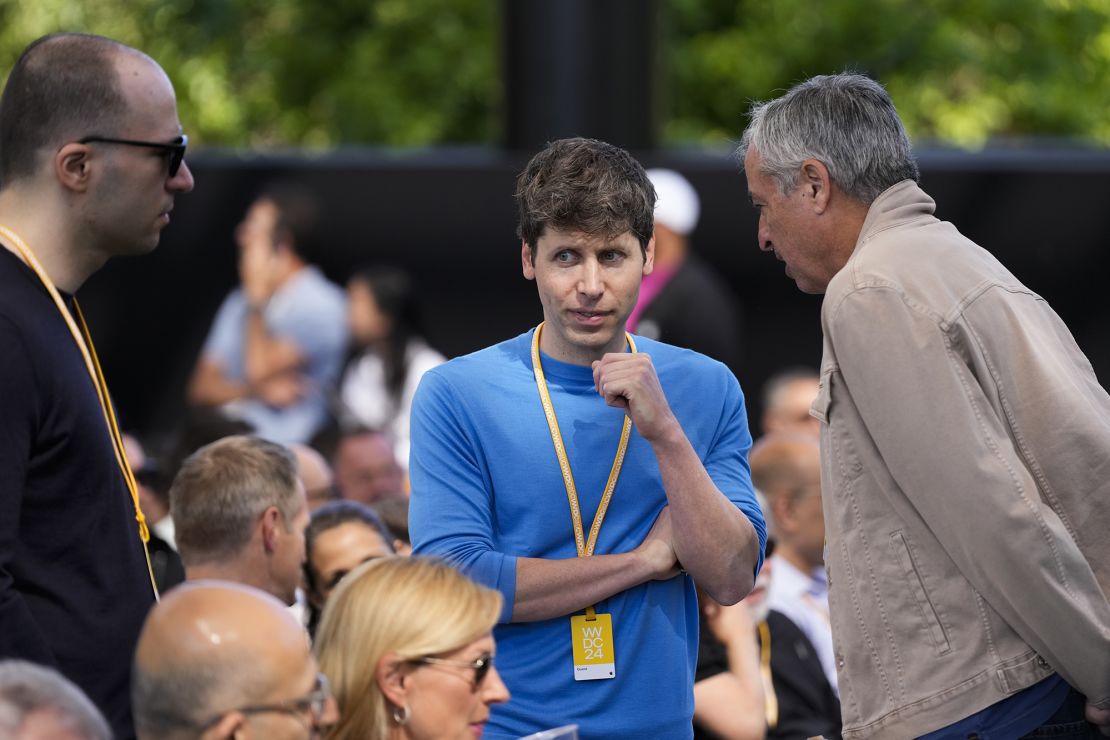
x: 74, y: 588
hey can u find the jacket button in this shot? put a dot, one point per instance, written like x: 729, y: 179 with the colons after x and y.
x: 1041, y: 662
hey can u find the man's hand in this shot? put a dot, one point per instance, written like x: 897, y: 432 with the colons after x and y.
x: 657, y: 549
x: 728, y: 623
x: 1099, y: 717
x: 628, y: 381
x: 281, y: 390
x: 258, y: 269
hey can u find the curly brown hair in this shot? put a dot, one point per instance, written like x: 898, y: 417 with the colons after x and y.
x: 588, y: 186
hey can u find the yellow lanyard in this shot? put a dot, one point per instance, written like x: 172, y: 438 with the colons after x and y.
x: 80, y: 331
x: 771, y: 702
x: 585, y: 547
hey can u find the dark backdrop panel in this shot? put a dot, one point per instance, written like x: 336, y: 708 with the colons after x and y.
x: 449, y: 218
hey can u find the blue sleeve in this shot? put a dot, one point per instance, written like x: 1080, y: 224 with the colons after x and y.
x: 727, y: 461
x: 225, y: 340
x: 318, y: 327
x: 451, y: 509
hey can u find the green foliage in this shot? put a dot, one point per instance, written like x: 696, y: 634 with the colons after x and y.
x: 280, y: 73
x: 960, y: 71
x: 270, y: 73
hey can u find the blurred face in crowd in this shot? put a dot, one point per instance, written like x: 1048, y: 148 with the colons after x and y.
x: 368, y: 323
x: 315, y: 475
x: 300, y: 707
x: 288, y: 553
x: 809, y: 523
x: 588, y: 286
x: 366, y: 469
x: 798, y: 514
x: 446, y: 701
x: 47, y: 724
x: 259, y: 226
x: 338, y: 551
x: 790, y: 412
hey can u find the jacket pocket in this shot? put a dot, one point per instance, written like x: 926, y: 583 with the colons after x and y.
x: 836, y: 436
x: 913, y: 579
x: 820, y: 408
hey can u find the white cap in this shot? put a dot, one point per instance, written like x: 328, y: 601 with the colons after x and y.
x: 678, y: 206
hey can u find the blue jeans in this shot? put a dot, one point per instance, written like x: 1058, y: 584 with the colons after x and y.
x: 1068, y: 723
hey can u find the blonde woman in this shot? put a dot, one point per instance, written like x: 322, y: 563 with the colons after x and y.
x: 407, y: 644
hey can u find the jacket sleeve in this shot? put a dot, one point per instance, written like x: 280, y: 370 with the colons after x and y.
x: 451, y: 507
x: 915, y: 380
x: 20, y: 636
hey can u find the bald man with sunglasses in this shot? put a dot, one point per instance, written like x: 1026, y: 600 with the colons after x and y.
x: 91, y: 160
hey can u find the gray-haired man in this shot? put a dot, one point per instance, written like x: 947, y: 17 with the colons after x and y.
x: 964, y: 439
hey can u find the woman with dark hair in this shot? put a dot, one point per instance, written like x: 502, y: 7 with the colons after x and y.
x: 388, y: 356
x: 341, y: 536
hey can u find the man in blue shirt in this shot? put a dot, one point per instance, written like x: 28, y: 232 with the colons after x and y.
x: 276, y: 345
x: 651, y: 437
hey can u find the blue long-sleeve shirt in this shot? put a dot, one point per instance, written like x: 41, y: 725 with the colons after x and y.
x: 487, y: 489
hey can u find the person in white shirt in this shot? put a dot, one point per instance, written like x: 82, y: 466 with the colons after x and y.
x: 389, y: 355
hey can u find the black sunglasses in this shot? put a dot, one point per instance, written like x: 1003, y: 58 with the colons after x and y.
x: 175, y: 149
x: 481, y: 666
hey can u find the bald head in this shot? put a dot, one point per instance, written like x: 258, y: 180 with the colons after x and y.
x: 315, y: 475
x: 786, y: 467
x: 64, y: 86
x: 209, y: 647
x: 785, y: 462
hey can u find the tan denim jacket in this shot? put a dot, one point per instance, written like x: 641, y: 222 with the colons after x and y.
x: 966, y: 481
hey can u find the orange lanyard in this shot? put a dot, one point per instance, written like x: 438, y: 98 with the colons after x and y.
x: 80, y: 332
x: 585, y: 548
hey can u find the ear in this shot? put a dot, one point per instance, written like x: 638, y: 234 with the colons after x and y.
x: 649, y: 255
x: 72, y: 166
x: 270, y: 523
x: 402, y: 548
x: 527, y: 260
x: 231, y: 725
x: 782, y: 512
x: 816, y: 184
x: 390, y: 675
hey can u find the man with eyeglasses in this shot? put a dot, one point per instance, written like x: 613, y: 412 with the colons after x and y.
x: 221, y: 660
x: 91, y: 160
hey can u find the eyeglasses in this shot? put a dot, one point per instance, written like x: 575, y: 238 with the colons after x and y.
x: 314, y: 704
x: 174, y: 150
x: 481, y: 666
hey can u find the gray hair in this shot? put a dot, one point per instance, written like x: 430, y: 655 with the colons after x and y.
x: 173, y: 702
x: 26, y: 688
x: 223, y: 488
x: 846, y: 121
